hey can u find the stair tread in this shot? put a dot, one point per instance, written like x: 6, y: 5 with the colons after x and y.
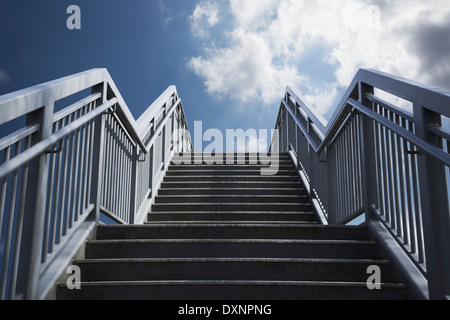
x: 235, y: 282
x: 221, y: 259
x: 197, y: 222
x: 233, y: 189
x: 287, y: 225
x: 236, y: 212
x: 208, y: 224
x: 233, y: 196
x: 257, y: 241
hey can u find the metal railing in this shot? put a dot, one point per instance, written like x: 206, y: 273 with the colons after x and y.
x: 378, y: 159
x: 63, y: 168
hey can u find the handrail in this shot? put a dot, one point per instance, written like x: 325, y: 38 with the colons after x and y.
x: 372, y: 157
x: 433, y: 151
x: 62, y: 170
x: 40, y: 147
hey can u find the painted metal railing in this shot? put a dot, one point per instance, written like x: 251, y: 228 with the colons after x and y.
x: 61, y: 169
x: 378, y: 159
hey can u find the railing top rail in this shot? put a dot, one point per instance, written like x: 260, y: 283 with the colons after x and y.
x: 421, y: 95
x: 153, y: 110
x: 42, y: 146
x: 19, y: 103
x: 16, y: 104
x: 407, y: 135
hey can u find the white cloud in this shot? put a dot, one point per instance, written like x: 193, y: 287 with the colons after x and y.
x: 249, y: 141
x: 270, y: 38
x: 205, y: 16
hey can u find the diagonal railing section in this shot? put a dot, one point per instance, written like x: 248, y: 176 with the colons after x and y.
x: 61, y: 169
x: 380, y: 159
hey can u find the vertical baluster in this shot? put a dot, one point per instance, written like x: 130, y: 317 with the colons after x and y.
x: 395, y: 178
x: 91, y: 141
x: 106, y: 166
x: 417, y: 205
x: 354, y: 134
x: 9, y: 227
x: 384, y: 152
x: 402, y: 185
x: 6, y: 156
x: 357, y: 156
x: 58, y: 193
x: 351, y: 176
x: 19, y: 226
x: 82, y: 165
x: 379, y: 166
x: 341, y: 177
x: 68, y: 211
x: 107, y: 170
x: 347, y: 184
x: 87, y: 157
x: 76, y: 182
x: 114, y: 183
x: 121, y: 174
x: 62, y: 204
x: 49, y: 212
x: 388, y: 173
x: 409, y: 195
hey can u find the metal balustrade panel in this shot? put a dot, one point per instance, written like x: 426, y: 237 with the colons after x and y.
x: 64, y: 168
x: 374, y: 157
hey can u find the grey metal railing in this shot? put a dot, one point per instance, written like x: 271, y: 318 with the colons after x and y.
x: 64, y: 168
x: 377, y: 159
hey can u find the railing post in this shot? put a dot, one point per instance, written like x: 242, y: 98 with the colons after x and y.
x: 33, y: 227
x: 97, y: 157
x: 435, y: 208
x: 368, y: 164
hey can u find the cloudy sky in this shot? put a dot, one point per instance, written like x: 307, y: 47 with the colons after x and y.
x: 231, y: 60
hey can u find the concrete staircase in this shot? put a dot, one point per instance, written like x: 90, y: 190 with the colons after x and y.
x: 224, y: 232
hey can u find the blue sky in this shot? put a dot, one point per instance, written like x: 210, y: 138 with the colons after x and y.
x: 230, y: 59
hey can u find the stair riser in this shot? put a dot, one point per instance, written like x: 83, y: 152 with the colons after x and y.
x: 232, y: 199
x: 229, y: 250
x: 234, y: 174
x: 283, y: 166
x: 230, y: 292
x: 231, y: 192
x: 240, y: 178
x: 228, y: 184
x: 225, y: 232
x: 226, y: 207
x: 153, y: 217
x: 229, y: 158
x: 281, y: 271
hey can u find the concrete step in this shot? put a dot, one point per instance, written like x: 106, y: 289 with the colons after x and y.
x: 347, y: 270
x: 231, y: 231
x: 233, y: 216
x: 234, y: 222
x: 286, y: 165
x: 224, y: 156
x: 231, y: 290
x: 230, y: 178
x: 231, y: 173
x: 231, y: 191
x: 232, y: 199
x: 254, y: 184
x: 267, y: 207
x: 231, y: 248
